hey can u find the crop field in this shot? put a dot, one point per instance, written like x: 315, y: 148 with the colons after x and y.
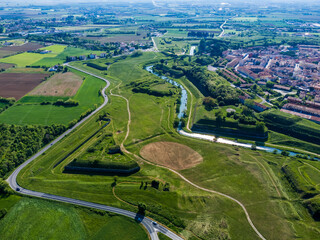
x: 27, y: 59
x: 245, y: 19
x: 18, y: 84
x: 34, y: 113
x: 119, y: 38
x: 25, y: 70
x: 60, y: 84
x: 6, y: 66
x: 5, y: 53
x: 62, y: 56
x: 11, y: 50
x: 171, y: 154
x: 176, y: 33
x: 74, y: 223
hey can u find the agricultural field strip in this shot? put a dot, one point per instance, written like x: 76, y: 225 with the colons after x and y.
x: 12, y: 180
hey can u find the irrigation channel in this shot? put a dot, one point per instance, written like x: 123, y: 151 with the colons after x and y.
x: 207, y: 136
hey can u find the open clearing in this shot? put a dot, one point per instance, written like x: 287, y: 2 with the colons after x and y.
x: 18, y: 84
x: 60, y: 84
x: 171, y: 154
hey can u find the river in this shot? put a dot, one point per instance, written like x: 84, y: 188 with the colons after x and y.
x: 207, y: 136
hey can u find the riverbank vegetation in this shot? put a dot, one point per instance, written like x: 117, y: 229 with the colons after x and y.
x: 255, y: 178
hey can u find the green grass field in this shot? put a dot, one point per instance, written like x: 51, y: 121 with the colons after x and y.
x: 27, y: 59
x: 253, y: 177
x: 41, y: 219
x: 176, y: 33
x: 61, y: 57
x: 29, y: 110
x: 166, y: 44
x: 57, y: 56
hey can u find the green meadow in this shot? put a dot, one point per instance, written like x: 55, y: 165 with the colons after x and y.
x: 28, y: 59
x: 41, y: 219
x: 58, y: 55
x: 255, y: 178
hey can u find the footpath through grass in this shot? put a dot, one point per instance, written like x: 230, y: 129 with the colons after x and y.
x: 252, y: 177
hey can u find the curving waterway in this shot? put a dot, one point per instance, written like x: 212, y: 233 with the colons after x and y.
x: 207, y: 136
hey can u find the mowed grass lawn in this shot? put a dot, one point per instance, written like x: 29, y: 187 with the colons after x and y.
x: 34, y: 113
x: 41, y: 219
x: 27, y: 59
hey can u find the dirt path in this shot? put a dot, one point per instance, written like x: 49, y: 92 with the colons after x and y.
x: 129, y: 118
x: 180, y: 175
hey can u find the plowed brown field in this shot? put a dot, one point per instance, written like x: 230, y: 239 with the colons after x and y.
x: 170, y: 154
x: 18, y: 84
x: 60, y: 84
x: 10, y: 50
x: 22, y: 48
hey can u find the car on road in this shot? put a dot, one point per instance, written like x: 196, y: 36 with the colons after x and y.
x: 154, y: 223
x: 17, y: 189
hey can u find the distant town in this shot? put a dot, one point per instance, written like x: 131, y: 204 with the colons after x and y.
x: 289, y: 70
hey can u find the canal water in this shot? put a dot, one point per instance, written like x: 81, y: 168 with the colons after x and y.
x: 206, y: 136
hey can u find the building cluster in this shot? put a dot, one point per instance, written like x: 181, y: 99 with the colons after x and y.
x: 85, y: 57
x: 306, y: 109
x: 287, y: 66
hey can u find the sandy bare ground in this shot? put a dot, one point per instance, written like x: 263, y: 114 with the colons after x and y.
x: 171, y: 154
x: 60, y: 84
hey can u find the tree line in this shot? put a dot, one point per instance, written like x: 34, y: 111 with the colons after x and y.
x: 18, y: 143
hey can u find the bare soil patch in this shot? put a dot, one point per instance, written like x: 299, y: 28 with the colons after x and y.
x: 22, y: 48
x: 170, y: 154
x: 6, y: 66
x: 4, y: 53
x: 18, y: 84
x: 11, y: 50
x: 60, y: 84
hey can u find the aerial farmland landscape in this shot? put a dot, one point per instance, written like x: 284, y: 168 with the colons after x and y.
x: 160, y: 120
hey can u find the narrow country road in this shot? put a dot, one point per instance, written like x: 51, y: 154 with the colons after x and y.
x: 151, y: 226
x: 221, y: 27
x: 155, y: 45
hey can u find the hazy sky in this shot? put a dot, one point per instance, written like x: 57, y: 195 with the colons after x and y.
x: 49, y: 2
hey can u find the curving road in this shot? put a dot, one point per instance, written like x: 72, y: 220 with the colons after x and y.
x: 151, y: 226
x: 221, y: 27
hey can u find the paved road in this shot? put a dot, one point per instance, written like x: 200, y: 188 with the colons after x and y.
x: 148, y: 223
x: 221, y: 27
